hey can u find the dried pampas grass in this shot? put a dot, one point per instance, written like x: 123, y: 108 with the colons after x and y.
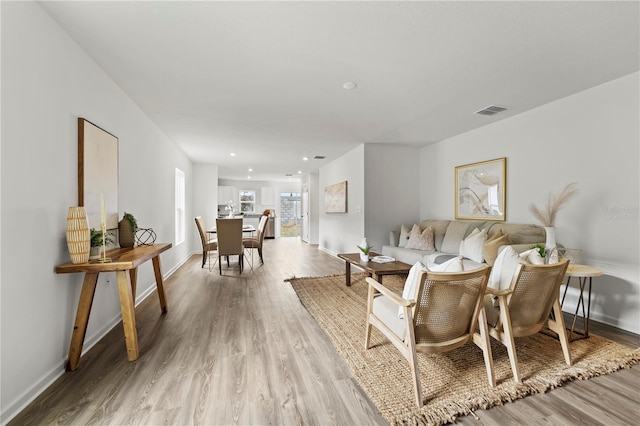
x: 547, y: 216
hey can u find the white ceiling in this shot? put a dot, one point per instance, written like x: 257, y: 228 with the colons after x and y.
x: 264, y: 79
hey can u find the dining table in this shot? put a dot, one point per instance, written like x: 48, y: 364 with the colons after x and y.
x: 245, y: 229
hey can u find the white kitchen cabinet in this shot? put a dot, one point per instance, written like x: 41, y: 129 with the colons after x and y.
x: 267, y: 196
x: 226, y: 193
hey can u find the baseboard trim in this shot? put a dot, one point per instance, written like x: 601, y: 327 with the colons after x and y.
x: 21, y: 402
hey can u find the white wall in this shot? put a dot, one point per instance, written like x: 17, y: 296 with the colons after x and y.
x: 383, y: 192
x: 392, y: 190
x: 591, y: 138
x: 341, y: 232
x: 47, y: 83
x: 205, y: 199
x: 310, y: 181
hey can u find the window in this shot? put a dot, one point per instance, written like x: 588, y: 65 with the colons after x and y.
x: 247, y: 201
x: 180, y: 210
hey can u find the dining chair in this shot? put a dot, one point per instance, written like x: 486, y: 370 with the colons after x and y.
x: 208, y: 244
x: 256, y: 242
x: 230, y: 241
x: 525, y: 308
x: 444, y: 316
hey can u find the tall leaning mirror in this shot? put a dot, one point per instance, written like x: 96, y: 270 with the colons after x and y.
x: 97, y: 173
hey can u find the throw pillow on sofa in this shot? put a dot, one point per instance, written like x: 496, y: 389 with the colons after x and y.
x: 490, y: 249
x: 472, y: 246
x: 404, y: 236
x: 421, y: 240
x: 453, y: 235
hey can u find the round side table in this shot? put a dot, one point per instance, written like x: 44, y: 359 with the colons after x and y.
x: 585, y: 274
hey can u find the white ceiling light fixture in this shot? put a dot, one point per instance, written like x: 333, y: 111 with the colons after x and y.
x: 233, y: 154
x: 349, y: 85
x: 305, y: 158
x: 250, y: 169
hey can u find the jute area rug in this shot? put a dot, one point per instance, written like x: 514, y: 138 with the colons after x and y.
x: 454, y: 383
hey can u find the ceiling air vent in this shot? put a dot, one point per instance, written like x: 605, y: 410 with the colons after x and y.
x: 319, y: 157
x: 491, y: 110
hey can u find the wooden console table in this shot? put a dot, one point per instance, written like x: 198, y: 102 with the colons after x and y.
x: 123, y: 260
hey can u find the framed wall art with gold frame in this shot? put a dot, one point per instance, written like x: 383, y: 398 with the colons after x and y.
x: 480, y: 190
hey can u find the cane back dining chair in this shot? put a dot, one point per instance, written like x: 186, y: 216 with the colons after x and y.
x: 444, y: 316
x: 208, y: 245
x: 230, y: 241
x: 256, y: 242
x: 526, y: 306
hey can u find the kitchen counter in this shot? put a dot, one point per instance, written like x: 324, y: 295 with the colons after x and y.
x: 246, y: 215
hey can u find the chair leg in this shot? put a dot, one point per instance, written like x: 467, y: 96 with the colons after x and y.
x: 367, y: 337
x: 483, y: 341
x: 507, y: 338
x: 559, y: 327
x: 260, y: 253
x: 220, y: 263
x: 204, y: 257
x: 413, y: 363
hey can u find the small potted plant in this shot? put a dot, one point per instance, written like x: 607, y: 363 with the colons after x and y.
x: 127, y: 228
x: 365, y: 249
x: 97, y: 243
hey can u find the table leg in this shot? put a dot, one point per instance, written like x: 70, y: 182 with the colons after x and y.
x: 379, y: 278
x: 586, y: 324
x: 128, y: 315
x: 348, y: 273
x: 82, y: 319
x: 133, y: 275
x: 580, y: 305
x: 157, y: 270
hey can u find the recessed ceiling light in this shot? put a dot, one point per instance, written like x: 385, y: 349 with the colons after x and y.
x: 305, y: 158
x: 250, y: 169
x: 299, y: 172
x: 248, y: 177
x: 349, y: 85
x: 233, y: 154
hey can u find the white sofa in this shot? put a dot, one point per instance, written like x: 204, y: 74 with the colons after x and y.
x: 449, y: 233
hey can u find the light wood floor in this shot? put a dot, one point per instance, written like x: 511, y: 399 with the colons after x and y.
x: 241, y: 349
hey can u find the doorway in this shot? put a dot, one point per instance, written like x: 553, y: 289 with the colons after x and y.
x: 290, y: 214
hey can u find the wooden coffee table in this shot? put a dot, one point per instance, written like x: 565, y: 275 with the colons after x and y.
x: 371, y: 267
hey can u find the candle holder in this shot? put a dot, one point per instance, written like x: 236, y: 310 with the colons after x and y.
x: 104, y: 258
